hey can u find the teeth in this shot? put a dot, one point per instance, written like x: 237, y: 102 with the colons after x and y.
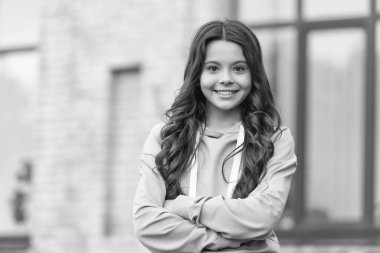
x: 226, y: 92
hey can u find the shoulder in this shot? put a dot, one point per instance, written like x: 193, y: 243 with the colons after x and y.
x: 153, y: 143
x: 156, y: 130
x: 282, y: 134
x: 284, y: 146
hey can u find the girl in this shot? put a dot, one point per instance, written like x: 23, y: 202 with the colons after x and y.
x: 216, y: 175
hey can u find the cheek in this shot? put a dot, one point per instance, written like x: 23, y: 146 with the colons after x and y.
x: 202, y: 84
x: 243, y: 80
x: 206, y: 81
x: 248, y: 83
x: 205, y: 91
x: 247, y: 87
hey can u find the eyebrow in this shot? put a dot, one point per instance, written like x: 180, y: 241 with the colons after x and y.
x: 233, y: 63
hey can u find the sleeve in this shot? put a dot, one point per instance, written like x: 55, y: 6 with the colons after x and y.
x: 255, y: 216
x: 160, y: 230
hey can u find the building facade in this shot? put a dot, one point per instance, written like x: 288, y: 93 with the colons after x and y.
x: 104, y: 73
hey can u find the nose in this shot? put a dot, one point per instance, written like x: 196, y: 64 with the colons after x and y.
x: 226, y: 78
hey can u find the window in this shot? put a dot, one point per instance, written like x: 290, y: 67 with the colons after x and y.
x: 19, y: 23
x: 122, y: 166
x: 279, y: 46
x: 333, y: 9
x: 19, y: 75
x: 334, y: 126
x: 272, y: 10
x: 18, y: 78
x: 328, y: 94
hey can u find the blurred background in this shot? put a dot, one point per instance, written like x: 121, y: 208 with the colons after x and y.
x: 82, y: 82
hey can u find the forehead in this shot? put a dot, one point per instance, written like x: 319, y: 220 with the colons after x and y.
x: 222, y: 50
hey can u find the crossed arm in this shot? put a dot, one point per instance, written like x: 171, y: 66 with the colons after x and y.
x: 162, y: 231
x: 193, y: 224
x: 241, y: 219
x: 159, y: 229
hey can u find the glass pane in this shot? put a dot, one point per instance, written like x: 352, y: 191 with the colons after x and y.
x: 335, y: 127
x: 19, y: 22
x: 279, y: 48
x: 377, y: 151
x: 18, y: 78
x: 321, y: 9
x: 123, y: 157
x: 258, y: 11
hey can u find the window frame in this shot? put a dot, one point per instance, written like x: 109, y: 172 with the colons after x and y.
x: 365, y: 231
x: 16, y: 243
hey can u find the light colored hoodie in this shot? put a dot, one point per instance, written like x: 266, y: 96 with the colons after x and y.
x: 210, y: 222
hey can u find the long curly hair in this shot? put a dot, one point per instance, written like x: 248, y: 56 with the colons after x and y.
x: 187, y: 115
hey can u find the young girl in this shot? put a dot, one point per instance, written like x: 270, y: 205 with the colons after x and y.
x: 216, y: 175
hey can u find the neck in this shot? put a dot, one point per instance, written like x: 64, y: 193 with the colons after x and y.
x: 222, y: 120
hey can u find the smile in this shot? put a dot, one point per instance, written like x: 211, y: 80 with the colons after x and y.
x: 226, y: 92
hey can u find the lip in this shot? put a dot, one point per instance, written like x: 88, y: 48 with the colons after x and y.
x: 226, y: 93
x: 226, y: 90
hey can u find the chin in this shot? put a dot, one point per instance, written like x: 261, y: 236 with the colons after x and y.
x: 227, y: 108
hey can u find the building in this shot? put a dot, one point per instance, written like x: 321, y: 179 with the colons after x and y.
x: 83, y: 82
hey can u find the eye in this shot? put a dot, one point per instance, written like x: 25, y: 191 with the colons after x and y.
x: 212, y: 68
x: 240, y: 69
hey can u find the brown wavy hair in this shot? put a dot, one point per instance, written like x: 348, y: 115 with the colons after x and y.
x: 187, y: 114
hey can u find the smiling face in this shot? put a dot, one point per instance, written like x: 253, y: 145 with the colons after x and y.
x: 226, y: 79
